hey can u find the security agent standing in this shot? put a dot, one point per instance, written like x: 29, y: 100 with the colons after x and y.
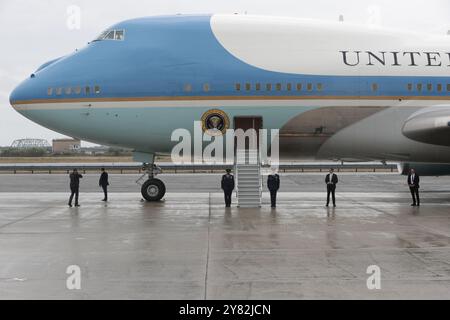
x: 331, y: 180
x: 273, y: 184
x: 74, y: 187
x: 413, y: 182
x: 104, y: 183
x: 227, y: 187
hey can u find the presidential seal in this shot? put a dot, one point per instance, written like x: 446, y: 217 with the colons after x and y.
x: 215, y: 122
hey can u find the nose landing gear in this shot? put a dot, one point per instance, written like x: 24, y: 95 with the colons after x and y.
x: 153, y: 189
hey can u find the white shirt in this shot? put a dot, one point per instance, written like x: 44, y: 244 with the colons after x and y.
x: 330, y: 177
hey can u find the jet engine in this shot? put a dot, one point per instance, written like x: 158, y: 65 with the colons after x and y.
x: 429, y: 125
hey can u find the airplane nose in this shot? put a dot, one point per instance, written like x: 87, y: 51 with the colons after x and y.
x: 15, y: 95
x: 34, y: 86
x: 23, y: 92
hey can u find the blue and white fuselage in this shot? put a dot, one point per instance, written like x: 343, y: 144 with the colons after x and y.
x: 335, y: 90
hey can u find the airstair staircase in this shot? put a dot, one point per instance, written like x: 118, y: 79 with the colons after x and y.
x: 247, y: 170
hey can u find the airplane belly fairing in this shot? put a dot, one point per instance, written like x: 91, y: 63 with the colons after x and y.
x: 303, y: 135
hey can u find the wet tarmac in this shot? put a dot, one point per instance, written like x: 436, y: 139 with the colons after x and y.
x: 190, y: 247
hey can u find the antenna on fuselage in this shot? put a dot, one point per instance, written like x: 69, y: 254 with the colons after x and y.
x: 341, y: 18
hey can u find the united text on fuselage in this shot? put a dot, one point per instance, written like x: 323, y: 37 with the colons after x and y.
x: 396, y: 58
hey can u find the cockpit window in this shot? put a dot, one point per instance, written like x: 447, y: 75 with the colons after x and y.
x: 118, y: 35
x: 102, y: 35
x: 109, y: 36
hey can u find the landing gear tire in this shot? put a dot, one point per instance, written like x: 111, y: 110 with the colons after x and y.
x: 153, y: 190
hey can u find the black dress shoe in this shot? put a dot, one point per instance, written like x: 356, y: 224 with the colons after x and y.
x: 334, y: 205
x: 413, y: 205
x: 326, y: 205
x: 70, y: 205
x: 77, y: 205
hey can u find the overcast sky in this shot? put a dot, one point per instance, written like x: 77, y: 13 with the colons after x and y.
x: 35, y: 31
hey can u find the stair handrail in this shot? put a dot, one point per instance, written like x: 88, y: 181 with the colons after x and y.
x: 260, y: 177
x: 235, y: 174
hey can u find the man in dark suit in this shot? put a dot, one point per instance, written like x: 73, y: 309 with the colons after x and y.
x: 227, y: 187
x: 273, y: 184
x: 413, y: 183
x: 74, y: 187
x: 331, y: 180
x: 104, y: 183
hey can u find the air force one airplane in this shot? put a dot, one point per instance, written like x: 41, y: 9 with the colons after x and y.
x: 335, y: 90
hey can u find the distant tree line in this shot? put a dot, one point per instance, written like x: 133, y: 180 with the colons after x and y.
x: 23, y: 152
x: 43, y: 152
x: 118, y: 152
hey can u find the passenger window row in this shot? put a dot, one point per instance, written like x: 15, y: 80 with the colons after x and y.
x: 247, y: 87
x: 427, y: 87
x: 278, y: 87
x: 75, y: 90
x: 188, y: 87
